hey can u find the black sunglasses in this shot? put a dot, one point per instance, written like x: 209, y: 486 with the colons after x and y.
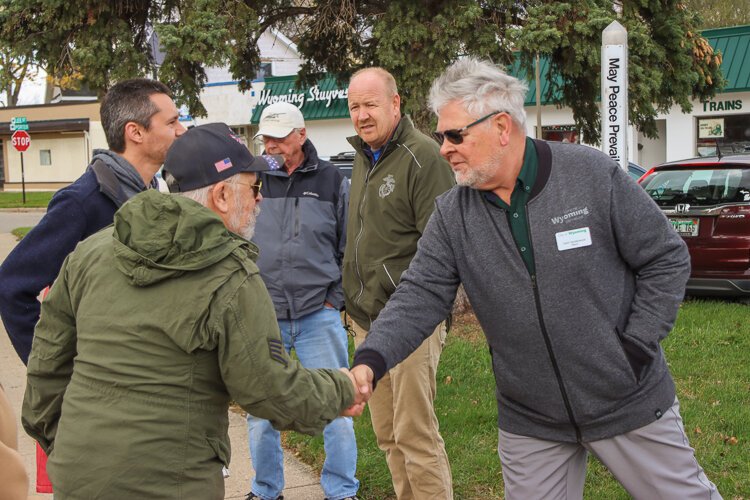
x: 456, y: 135
x: 255, y: 187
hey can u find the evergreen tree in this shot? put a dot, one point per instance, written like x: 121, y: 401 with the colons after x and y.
x: 106, y: 41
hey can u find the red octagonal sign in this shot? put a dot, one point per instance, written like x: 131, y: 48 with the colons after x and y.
x: 21, y: 140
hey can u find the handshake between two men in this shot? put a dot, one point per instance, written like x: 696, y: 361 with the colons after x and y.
x: 362, y: 378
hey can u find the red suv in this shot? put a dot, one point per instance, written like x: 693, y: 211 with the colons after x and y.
x: 708, y: 202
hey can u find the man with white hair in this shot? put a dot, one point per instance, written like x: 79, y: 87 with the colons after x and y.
x: 154, y: 325
x: 301, y: 237
x: 575, y: 276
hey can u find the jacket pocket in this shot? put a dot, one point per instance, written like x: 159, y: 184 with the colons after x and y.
x: 638, y: 359
x: 221, y: 448
x: 389, y: 274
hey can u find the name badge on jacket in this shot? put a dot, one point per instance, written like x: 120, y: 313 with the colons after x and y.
x: 575, y: 238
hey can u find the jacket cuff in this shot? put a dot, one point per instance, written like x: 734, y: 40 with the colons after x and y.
x: 374, y: 361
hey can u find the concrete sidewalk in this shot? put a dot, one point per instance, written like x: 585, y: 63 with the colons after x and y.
x: 301, y: 482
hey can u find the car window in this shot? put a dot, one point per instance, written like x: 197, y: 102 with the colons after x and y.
x: 699, y: 187
x: 344, y: 162
x: 346, y: 170
x: 635, y: 171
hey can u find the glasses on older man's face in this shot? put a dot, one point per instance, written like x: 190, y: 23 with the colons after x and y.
x: 456, y: 135
x: 255, y: 187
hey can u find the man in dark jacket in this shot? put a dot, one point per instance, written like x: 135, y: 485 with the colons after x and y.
x: 154, y: 325
x: 301, y: 235
x: 140, y: 122
x: 397, y: 174
x: 575, y: 276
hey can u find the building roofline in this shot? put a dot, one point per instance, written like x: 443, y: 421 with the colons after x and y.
x: 284, y: 39
x: 51, y: 104
x: 727, y: 31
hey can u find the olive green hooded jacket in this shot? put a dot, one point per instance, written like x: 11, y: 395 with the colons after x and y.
x: 152, y: 327
x: 390, y: 202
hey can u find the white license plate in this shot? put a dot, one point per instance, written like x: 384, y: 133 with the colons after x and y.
x: 685, y: 226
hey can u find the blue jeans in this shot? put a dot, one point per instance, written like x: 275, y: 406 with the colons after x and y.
x: 320, y: 341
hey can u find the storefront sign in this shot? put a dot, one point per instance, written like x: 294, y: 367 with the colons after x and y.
x: 729, y: 105
x: 615, y: 93
x: 711, y: 129
x: 299, y: 99
x: 325, y: 100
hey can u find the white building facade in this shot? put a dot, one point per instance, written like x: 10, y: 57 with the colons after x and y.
x: 327, y: 125
x: 63, y: 135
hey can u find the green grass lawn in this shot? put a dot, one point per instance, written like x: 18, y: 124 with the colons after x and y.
x: 708, y: 353
x: 33, y: 199
x: 20, y: 232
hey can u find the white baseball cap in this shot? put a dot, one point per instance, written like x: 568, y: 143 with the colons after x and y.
x: 279, y: 119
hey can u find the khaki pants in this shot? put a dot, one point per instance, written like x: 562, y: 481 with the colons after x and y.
x: 407, y: 430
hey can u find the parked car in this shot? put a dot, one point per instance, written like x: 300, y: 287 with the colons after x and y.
x: 635, y: 171
x: 344, y: 161
x: 708, y: 202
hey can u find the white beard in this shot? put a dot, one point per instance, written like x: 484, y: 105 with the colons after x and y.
x: 246, y: 230
x: 480, y: 175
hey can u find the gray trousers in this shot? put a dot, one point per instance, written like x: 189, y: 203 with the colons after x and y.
x: 653, y: 462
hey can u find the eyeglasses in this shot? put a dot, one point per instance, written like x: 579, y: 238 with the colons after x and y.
x: 255, y: 187
x: 456, y: 135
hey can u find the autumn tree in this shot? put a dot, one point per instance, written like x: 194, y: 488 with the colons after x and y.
x: 15, y: 68
x: 414, y: 39
x: 720, y: 13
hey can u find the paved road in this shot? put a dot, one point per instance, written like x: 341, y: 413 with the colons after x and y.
x: 12, y: 220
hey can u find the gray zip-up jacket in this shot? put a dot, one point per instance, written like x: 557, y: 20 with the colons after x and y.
x: 301, y: 234
x: 575, y: 347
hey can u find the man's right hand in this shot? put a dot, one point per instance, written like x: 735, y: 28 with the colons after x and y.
x: 364, y: 377
x: 358, y: 406
x: 362, y: 382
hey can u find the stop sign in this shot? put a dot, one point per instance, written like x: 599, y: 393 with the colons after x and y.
x: 21, y: 140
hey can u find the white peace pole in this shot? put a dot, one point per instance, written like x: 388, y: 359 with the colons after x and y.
x: 615, y: 93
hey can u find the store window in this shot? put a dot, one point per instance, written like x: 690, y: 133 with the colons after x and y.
x: 561, y: 133
x: 729, y: 134
x: 265, y: 70
x: 45, y: 157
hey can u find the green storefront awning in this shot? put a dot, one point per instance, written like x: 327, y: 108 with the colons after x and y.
x: 327, y: 99
x: 323, y: 101
x: 733, y: 43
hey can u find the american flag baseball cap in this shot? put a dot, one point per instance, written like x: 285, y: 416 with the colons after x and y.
x: 207, y: 154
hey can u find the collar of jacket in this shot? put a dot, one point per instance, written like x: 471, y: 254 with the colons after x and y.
x: 544, y: 169
x: 309, y: 164
x: 109, y: 186
x: 404, y: 127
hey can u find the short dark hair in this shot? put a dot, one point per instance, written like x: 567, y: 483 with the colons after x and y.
x: 129, y: 101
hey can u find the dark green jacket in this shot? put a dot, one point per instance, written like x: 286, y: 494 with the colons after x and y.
x: 389, y: 206
x: 152, y: 327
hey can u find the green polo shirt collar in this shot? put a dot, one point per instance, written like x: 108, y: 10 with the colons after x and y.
x: 516, y: 211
